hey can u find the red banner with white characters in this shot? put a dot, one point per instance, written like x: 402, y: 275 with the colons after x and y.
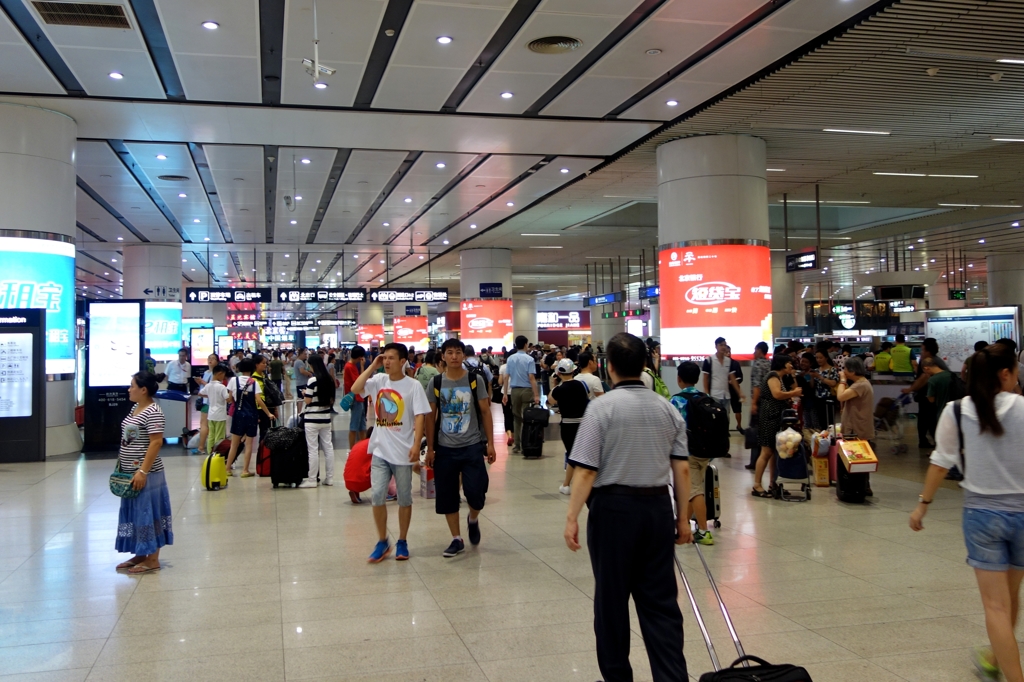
x: 486, y: 323
x: 368, y: 333
x: 712, y: 291
x: 412, y: 331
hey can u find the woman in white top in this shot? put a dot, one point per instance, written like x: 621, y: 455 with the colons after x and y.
x: 991, y: 425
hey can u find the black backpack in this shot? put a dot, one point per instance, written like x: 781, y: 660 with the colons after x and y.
x: 707, y: 426
x: 272, y: 396
x: 957, y: 387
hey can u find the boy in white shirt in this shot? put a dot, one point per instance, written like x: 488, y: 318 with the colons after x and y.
x: 400, y: 406
x: 217, y: 398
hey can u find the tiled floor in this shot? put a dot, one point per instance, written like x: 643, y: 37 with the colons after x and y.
x: 266, y: 585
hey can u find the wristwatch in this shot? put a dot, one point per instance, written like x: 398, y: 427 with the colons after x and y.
x: 924, y: 501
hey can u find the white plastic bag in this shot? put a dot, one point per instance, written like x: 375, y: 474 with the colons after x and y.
x: 193, y: 442
x: 787, y: 442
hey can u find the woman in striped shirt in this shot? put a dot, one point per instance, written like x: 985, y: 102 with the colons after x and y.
x: 319, y: 398
x: 144, y: 522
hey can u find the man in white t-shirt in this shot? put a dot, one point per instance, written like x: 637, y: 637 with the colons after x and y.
x: 718, y: 375
x: 588, y: 365
x: 400, y: 406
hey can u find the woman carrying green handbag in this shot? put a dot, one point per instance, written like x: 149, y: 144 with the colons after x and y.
x: 144, y: 522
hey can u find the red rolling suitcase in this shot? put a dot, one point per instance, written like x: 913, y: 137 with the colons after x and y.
x: 263, y: 460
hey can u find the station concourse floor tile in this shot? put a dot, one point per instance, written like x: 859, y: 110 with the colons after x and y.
x: 266, y: 584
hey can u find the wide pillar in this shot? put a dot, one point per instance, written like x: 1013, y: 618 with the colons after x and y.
x: 152, y: 272
x: 481, y: 267
x: 602, y: 330
x: 655, y: 328
x: 714, y: 261
x: 37, y: 223
x: 485, y: 266
x: 1005, y: 280
x: 938, y: 297
x: 524, y: 318
x: 785, y: 312
x: 371, y: 313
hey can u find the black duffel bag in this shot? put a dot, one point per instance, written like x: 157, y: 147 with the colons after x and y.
x: 762, y: 672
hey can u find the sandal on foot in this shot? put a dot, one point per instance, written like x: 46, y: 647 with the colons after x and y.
x: 140, y: 569
x: 125, y: 565
x: 760, y: 493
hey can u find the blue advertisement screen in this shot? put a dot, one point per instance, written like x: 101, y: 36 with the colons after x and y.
x: 39, y: 273
x: 163, y: 330
x: 190, y: 323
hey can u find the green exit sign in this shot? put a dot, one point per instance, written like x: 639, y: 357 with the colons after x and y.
x: 623, y: 313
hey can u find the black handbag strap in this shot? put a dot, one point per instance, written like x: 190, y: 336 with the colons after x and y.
x: 960, y: 434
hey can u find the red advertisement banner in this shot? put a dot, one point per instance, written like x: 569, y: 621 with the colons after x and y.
x: 368, y: 333
x: 486, y: 323
x: 412, y: 331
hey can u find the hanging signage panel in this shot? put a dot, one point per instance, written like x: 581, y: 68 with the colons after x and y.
x: 603, y: 299
x: 227, y: 295
x: 563, y: 319
x: 412, y: 331
x: 314, y: 295
x: 808, y: 260
x: 487, y: 323
x: 39, y: 273
x: 435, y: 295
x: 710, y: 291
x: 649, y: 292
x: 490, y: 289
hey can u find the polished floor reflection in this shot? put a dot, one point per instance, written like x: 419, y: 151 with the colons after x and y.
x: 270, y: 585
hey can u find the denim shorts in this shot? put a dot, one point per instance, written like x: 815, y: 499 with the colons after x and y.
x: 381, y: 472
x: 357, y: 416
x: 995, y: 539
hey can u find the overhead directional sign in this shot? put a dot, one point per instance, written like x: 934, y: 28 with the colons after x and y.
x: 604, y: 299
x: 806, y: 260
x: 314, y: 295
x: 650, y: 292
x: 226, y: 295
x: 299, y: 324
x: 435, y: 295
x: 490, y: 289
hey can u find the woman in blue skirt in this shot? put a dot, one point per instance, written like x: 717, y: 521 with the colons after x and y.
x: 144, y: 523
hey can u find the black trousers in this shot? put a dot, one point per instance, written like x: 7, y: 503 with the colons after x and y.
x: 568, y: 433
x: 631, y: 540
x: 926, y: 421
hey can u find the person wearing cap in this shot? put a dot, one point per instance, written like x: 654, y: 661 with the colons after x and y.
x: 571, y: 397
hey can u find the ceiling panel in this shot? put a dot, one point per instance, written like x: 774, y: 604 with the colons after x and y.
x: 195, y: 205
x: 364, y: 178
x: 238, y: 174
x: 347, y: 29
x: 528, y: 75
x: 297, y: 179
x: 218, y: 65
x: 99, y: 220
x: 422, y: 72
x: 21, y: 69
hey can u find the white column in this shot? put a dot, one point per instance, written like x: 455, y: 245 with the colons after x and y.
x: 1005, y: 280
x: 37, y: 204
x: 524, y: 318
x: 655, y: 328
x: 485, y: 266
x: 602, y: 330
x: 938, y: 296
x: 371, y: 313
x: 785, y: 312
x: 152, y: 268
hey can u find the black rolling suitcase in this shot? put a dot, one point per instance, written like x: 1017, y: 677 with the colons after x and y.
x: 712, y: 498
x: 850, y: 487
x: 535, y: 420
x: 289, y: 458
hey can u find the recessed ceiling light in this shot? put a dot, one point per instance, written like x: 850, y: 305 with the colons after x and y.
x: 355, y: 255
x: 298, y: 197
x: 509, y: 203
x: 387, y: 224
x: 287, y: 255
x: 932, y: 260
x: 911, y: 248
x: 294, y: 222
x: 116, y: 75
x: 564, y: 170
x: 506, y: 95
x: 211, y: 25
x: 380, y: 280
x: 439, y: 164
x: 338, y: 274
x: 312, y: 269
x: 182, y: 195
x: 653, y: 51
x: 948, y: 175
x: 306, y: 161
x: 445, y: 242
x: 962, y: 205
x: 473, y: 226
x: 981, y: 241
x: 318, y: 261
x: 380, y: 262
x: 902, y: 175
x: 161, y: 157
x: 120, y: 239
x: 1010, y: 61
x: 184, y: 260
x: 672, y: 103
x: 545, y: 247
x: 1015, y: 224
x: 106, y: 273
x: 421, y: 257
x: 853, y: 131
x: 537, y: 234
x: 113, y: 260
x: 408, y: 200
x: 371, y: 271
x: 320, y: 86
x: 920, y: 241
x: 195, y: 220
x: 444, y: 40
x: 206, y: 239
x: 193, y: 269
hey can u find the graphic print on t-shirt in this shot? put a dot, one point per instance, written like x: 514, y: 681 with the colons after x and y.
x: 390, y: 407
x: 455, y: 406
x: 131, y: 433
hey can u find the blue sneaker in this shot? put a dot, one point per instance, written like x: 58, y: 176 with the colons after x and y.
x: 401, y: 551
x: 457, y: 547
x: 474, y: 531
x: 381, y: 551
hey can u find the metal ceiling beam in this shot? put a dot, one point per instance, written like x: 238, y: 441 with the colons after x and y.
x: 270, y: 154
x: 95, y: 196
x: 125, y: 156
x: 108, y: 266
x: 206, y: 177
x: 333, y: 178
x: 271, y: 49
x: 327, y: 270
x: 403, y: 169
x: 394, y: 19
x: 159, y: 51
x: 89, y: 232
x: 34, y: 35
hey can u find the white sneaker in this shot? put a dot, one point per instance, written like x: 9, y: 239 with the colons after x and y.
x: 328, y: 481
x: 564, y: 489
x: 307, y: 484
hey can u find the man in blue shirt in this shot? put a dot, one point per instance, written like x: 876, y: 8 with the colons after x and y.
x: 522, y: 385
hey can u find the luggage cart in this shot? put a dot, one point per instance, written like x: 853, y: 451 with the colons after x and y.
x: 794, y: 471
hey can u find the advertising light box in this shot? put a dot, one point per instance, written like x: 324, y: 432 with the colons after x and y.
x: 563, y: 319
x: 412, y: 331
x: 190, y: 323
x: 115, y: 345
x: 39, y: 273
x: 202, y: 345
x: 711, y: 291
x: 368, y: 333
x: 163, y: 330
x: 486, y: 323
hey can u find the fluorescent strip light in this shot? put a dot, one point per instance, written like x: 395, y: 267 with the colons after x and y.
x: 545, y: 247
x: 903, y: 175
x: 811, y: 201
x: 944, y: 175
x: 1008, y: 139
x: 533, y: 234
x: 847, y: 202
x: 962, y: 205
x: 824, y: 237
x: 1002, y: 206
x: 776, y: 170
x: 857, y: 132
x: 1010, y: 61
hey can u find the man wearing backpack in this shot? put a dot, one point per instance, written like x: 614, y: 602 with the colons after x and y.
x: 707, y: 435
x: 460, y: 436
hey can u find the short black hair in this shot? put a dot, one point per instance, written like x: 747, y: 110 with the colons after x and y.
x: 931, y: 345
x: 468, y: 350
x: 847, y: 348
x: 246, y: 366
x: 357, y: 352
x: 688, y: 372
x: 430, y: 357
x: 779, y: 362
x: 453, y: 343
x: 147, y: 382
x: 900, y: 338
x: 521, y: 342
x: 761, y: 346
x: 627, y: 355
x: 400, y: 348
x: 221, y: 369
x: 886, y: 346
x: 584, y: 359
x: 1009, y: 343
x: 978, y: 345
x: 277, y: 354
x: 720, y: 339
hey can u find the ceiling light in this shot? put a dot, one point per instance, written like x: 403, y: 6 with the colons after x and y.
x: 564, y: 170
x: 831, y: 259
x: 439, y: 164
x: 379, y: 261
x: 545, y: 247
x: 312, y: 269
x: 206, y: 239
x: 115, y: 75
x: 538, y: 234
x: 506, y: 95
x: 672, y: 103
x: 106, y: 273
x: 962, y: 205
x: 371, y: 270
x: 195, y: 220
x: 161, y: 157
x: 473, y: 226
x: 306, y: 161
x: 287, y: 255
x: 509, y: 203
x: 113, y: 260
x: 355, y: 255
x: 421, y: 257
x: 932, y: 260
x: 444, y: 40
x: 445, y: 242
x: 318, y: 261
x: 654, y: 51
x: 970, y: 265
x: 193, y: 269
x: 320, y: 86
x: 776, y: 170
x: 338, y: 274
x: 945, y: 175
x: 298, y: 198
x: 911, y: 248
x: 920, y: 241
x: 981, y: 241
x: 1013, y: 224
x: 380, y: 280
x: 903, y: 175
x: 121, y: 239
x: 294, y: 222
x: 856, y: 132
x: 1001, y: 205
x: 182, y: 195
x: 1010, y: 61
x: 408, y: 200
x: 1008, y: 139
x: 184, y: 260
x: 211, y: 25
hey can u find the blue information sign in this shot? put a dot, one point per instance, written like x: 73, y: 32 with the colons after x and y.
x: 490, y: 290
x: 650, y: 292
x: 604, y: 299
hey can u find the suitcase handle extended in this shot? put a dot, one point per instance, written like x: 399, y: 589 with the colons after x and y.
x: 725, y: 614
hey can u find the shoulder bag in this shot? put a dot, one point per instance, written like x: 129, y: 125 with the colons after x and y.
x: 121, y: 483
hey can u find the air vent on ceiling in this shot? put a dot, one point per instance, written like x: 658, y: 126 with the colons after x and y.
x: 173, y: 178
x: 89, y: 14
x: 555, y: 44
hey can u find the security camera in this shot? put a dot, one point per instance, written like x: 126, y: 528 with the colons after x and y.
x: 271, y: 159
x: 411, y: 251
x: 288, y: 201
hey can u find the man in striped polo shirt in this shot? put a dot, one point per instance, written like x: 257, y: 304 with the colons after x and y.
x: 630, y: 446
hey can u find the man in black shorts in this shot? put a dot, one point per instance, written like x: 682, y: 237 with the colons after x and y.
x: 460, y: 436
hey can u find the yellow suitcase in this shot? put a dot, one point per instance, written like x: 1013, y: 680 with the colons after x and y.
x: 215, y: 472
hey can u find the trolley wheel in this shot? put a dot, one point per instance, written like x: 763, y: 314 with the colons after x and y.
x: 807, y: 492
x: 718, y: 524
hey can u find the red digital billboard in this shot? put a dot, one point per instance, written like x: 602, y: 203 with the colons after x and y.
x: 368, y: 333
x: 712, y: 291
x: 412, y: 331
x: 486, y: 323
